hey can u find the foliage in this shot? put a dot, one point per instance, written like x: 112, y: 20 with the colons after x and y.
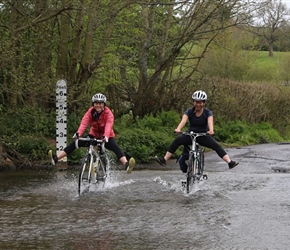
x: 225, y: 57
x: 26, y: 121
x: 140, y: 54
x: 141, y: 143
x: 148, y: 59
x: 143, y: 138
x: 232, y: 62
x: 26, y: 130
x: 34, y: 148
x: 270, y: 69
x: 243, y: 133
x: 144, y: 141
x: 252, y: 102
x: 148, y: 136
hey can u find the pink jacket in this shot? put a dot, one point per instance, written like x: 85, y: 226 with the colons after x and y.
x: 103, y: 126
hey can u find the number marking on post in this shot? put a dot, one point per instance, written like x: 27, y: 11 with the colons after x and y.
x: 61, y: 124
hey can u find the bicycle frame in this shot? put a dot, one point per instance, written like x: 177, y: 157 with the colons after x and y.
x: 93, y: 168
x: 195, y: 162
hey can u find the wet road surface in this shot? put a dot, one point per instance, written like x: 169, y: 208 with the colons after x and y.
x: 247, y: 207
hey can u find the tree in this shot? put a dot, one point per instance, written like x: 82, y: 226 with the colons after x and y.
x: 143, y: 54
x: 272, y: 16
x: 173, y: 41
x: 27, y: 37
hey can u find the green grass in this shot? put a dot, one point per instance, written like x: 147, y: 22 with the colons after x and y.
x: 266, y: 68
x: 264, y: 60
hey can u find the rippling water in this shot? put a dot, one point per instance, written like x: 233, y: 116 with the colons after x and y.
x: 145, y: 210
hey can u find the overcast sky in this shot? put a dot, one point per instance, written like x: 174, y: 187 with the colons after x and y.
x: 287, y: 2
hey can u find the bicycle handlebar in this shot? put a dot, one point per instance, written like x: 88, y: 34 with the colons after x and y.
x: 193, y: 134
x: 93, y: 141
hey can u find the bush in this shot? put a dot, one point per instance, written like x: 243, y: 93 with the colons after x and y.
x: 229, y: 131
x: 32, y: 147
x: 143, y: 144
x: 264, y: 133
x: 27, y: 120
x: 146, y: 137
x: 169, y: 119
x: 237, y: 132
x: 150, y: 136
x: 140, y: 138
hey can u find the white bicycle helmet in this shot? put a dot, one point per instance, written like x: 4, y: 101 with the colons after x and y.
x: 199, y: 96
x: 99, y: 97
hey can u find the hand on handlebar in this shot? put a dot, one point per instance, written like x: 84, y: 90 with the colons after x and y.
x: 105, y: 139
x: 210, y: 132
x: 76, y: 135
x: 177, y: 131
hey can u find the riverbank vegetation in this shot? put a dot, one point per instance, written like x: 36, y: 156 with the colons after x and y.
x: 147, y: 59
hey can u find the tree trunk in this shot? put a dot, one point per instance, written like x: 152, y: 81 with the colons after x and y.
x: 271, y: 53
x: 64, y: 34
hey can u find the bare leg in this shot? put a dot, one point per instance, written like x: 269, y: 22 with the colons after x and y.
x: 227, y: 159
x: 123, y: 160
x: 61, y: 155
x: 167, y: 156
x: 128, y: 165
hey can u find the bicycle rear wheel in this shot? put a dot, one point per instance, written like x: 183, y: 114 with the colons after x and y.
x: 84, y: 174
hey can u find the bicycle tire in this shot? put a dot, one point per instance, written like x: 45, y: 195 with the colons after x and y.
x: 201, y: 162
x: 189, y: 173
x: 196, y: 169
x: 84, y: 174
x: 101, y: 173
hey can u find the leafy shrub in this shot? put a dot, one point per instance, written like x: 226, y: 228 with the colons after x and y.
x: 142, y: 144
x: 229, y: 131
x: 26, y: 120
x: 169, y: 119
x: 264, y: 133
x: 33, y: 147
x: 140, y: 138
x: 149, y: 122
x: 237, y: 132
x: 146, y: 137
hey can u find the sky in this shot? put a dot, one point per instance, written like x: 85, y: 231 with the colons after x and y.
x: 287, y: 2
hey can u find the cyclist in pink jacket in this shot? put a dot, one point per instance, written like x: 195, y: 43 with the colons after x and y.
x: 101, y: 121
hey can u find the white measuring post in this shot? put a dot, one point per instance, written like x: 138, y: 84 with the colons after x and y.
x: 61, y: 119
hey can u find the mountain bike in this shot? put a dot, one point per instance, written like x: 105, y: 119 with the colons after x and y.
x: 94, y: 164
x: 195, y: 162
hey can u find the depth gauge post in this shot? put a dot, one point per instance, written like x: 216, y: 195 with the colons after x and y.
x: 61, y: 117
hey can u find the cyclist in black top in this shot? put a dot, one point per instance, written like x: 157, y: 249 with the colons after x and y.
x: 200, y: 121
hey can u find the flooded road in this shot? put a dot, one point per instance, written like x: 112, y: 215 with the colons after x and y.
x: 244, y: 208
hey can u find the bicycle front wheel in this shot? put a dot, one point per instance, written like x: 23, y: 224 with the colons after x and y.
x: 84, y: 174
x: 189, y: 173
x: 201, y: 163
x: 101, y: 173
